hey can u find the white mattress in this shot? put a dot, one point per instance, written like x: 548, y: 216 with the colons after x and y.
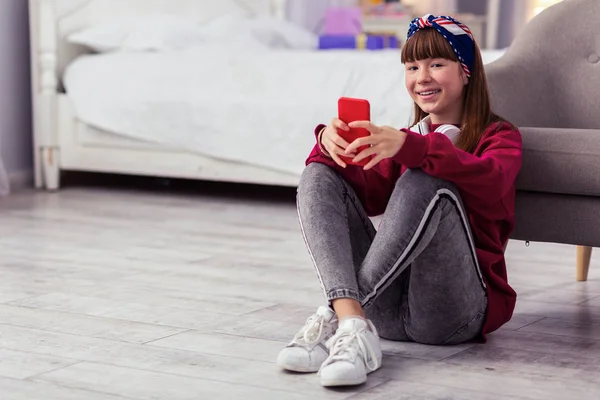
x: 257, y: 107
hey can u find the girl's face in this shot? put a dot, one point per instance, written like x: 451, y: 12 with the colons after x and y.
x: 437, y: 86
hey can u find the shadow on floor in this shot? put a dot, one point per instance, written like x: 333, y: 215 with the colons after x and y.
x: 178, y: 186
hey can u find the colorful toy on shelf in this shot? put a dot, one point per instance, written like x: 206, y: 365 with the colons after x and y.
x: 388, y: 10
x: 343, y: 21
x: 359, y: 42
x: 343, y: 29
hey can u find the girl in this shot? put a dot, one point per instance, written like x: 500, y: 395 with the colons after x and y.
x: 434, y: 272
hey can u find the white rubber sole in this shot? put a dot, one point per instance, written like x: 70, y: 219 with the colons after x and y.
x: 340, y: 382
x: 347, y: 382
x: 296, y: 368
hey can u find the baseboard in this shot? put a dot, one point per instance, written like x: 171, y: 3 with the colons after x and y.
x: 20, y: 180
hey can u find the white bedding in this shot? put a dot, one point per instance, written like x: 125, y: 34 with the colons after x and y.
x: 253, y: 106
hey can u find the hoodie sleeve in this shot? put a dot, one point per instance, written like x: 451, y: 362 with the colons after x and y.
x: 487, y: 175
x: 373, y: 187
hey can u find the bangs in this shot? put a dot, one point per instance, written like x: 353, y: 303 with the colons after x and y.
x: 427, y: 43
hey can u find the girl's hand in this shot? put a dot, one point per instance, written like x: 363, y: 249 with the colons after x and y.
x: 333, y: 143
x: 384, y: 142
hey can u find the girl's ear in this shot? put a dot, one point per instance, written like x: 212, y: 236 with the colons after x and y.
x: 464, y: 77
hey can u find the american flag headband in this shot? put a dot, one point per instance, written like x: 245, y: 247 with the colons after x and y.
x: 456, y: 33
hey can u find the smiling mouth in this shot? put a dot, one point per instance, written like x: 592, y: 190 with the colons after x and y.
x: 429, y: 92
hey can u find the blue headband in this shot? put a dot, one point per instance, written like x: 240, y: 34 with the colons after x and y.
x: 456, y: 33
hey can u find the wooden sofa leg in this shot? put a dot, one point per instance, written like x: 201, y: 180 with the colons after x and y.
x: 584, y: 254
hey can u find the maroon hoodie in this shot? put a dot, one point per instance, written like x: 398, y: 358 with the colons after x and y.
x: 486, y: 180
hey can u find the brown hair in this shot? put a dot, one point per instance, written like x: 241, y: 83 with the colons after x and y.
x: 476, y: 113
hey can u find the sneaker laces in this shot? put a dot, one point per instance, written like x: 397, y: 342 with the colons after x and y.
x: 348, y: 345
x: 311, y: 332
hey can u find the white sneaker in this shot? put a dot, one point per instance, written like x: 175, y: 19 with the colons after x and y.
x: 355, y: 351
x: 307, y: 351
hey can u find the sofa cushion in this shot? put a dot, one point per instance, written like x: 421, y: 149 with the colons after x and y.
x: 560, y: 160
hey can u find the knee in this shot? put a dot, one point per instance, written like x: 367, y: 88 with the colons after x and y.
x: 417, y: 183
x: 316, y: 178
x: 418, y: 178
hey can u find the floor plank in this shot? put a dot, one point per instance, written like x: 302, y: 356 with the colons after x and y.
x: 139, y: 384
x: 56, y: 321
x: 15, y: 389
x: 491, y: 378
x: 23, y: 364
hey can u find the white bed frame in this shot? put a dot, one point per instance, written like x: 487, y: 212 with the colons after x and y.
x: 64, y: 143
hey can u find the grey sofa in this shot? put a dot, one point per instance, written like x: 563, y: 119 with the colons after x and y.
x: 548, y: 84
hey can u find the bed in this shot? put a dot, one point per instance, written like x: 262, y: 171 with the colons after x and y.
x: 208, y: 106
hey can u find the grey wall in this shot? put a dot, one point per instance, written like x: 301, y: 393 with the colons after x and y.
x: 15, y: 106
x: 478, y: 7
x: 510, y: 10
x: 508, y: 29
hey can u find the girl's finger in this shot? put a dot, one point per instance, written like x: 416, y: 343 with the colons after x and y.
x: 364, y: 141
x: 337, y: 139
x: 333, y: 135
x: 365, y: 153
x: 366, y: 125
x: 338, y: 123
x: 373, y: 162
x: 338, y: 160
x: 333, y: 149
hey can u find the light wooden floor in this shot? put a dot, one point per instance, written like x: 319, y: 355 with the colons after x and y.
x: 110, y: 294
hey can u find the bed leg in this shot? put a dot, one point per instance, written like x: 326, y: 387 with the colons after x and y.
x: 38, y: 181
x: 50, y: 170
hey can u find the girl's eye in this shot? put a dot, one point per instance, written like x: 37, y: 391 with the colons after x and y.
x: 413, y: 68
x: 438, y: 65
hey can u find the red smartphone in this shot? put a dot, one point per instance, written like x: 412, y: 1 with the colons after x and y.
x: 350, y: 110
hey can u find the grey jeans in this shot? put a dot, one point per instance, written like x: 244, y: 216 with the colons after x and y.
x: 417, y: 276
